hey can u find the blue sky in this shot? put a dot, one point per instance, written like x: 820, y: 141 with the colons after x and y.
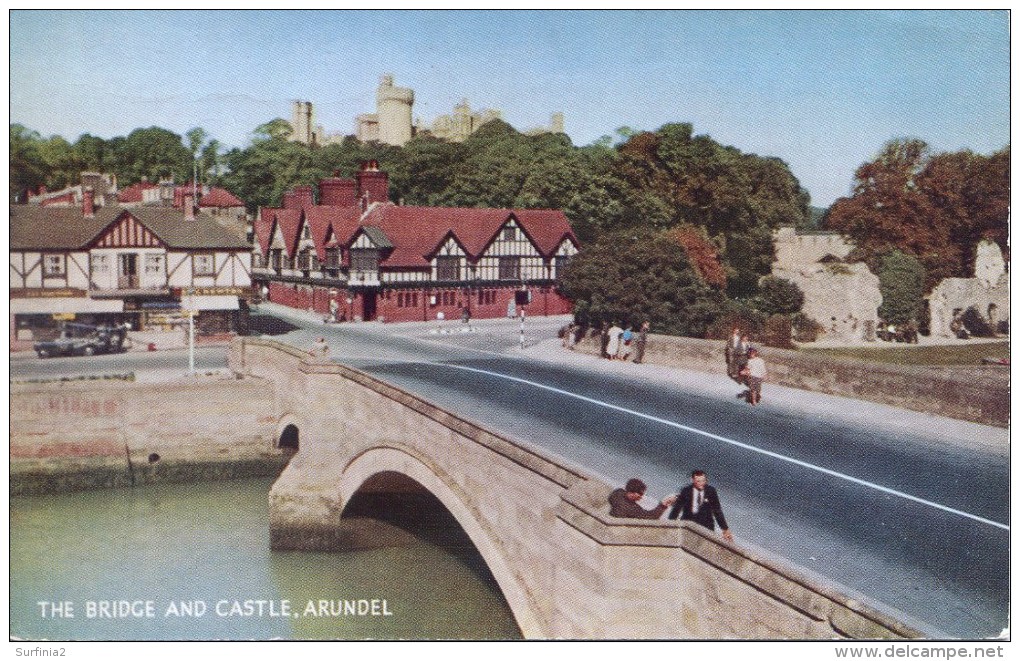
x: 823, y: 90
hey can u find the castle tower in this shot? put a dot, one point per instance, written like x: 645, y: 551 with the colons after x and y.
x: 393, y: 105
x: 303, y: 123
x: 556, y: 124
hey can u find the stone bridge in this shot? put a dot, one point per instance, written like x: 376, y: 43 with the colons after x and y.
x: 566, y: 568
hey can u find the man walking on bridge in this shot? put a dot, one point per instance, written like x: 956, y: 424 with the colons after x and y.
x: 699, y: 502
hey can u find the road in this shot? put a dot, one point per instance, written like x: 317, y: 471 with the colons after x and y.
x: 907, y: 509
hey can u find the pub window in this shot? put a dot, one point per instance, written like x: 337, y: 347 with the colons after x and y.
x: 53, y: 265
x: 100, y: 263
x: 332, y: 258
x: 561, y: 265
x: 509, y: 268
x: 448, y: 268
x: 277, y: 255
x: 202, y: 264
x: 414, y: 300
x: 400, y: 299
x: 364, y: 260
x: 154, y: 264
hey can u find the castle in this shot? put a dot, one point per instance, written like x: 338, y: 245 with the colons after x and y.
x: 392, y: 122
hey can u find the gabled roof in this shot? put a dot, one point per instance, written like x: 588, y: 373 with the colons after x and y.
x: 133, y: 193
x: 418, y: 232
x: 289, y: 221
x: 264, y: 229
x: 343, y: 221
x: 42, y: 228
x: 221, y: 198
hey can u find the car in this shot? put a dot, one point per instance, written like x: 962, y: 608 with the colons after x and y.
x: 84, y: 340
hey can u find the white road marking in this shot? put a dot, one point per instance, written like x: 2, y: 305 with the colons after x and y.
x: 730, y: 441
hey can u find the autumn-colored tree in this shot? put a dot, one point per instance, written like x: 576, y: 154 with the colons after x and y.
x: 934, y: 207
x: 703, y: 255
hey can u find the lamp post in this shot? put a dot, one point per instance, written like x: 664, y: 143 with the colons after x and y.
x: 190, y: 311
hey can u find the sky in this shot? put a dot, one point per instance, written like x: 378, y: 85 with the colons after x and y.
x: 822, y: 90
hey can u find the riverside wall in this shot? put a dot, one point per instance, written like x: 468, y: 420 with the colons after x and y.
x: 74, y: 435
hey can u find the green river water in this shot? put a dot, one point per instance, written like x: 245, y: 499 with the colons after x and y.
x: 192, y: 562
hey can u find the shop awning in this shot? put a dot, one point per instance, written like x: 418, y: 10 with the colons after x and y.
x: 77, y: 305
x: 209, y: 303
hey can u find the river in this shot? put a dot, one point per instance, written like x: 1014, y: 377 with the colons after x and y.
x: 192, y: 562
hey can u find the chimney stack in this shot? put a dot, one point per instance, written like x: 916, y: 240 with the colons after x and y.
x: 337, y: 192
x: 373, y: 184
x: 88, y: 203
x: 304, y: 196
x: 189, y: 207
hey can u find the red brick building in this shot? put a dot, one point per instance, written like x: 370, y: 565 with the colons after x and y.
x: 366, y: 258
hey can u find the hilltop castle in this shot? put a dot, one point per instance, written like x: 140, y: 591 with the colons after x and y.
x: 392, y: 122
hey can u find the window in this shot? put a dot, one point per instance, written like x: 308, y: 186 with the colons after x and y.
x: 154, y: 265
x: 364, y: 260
x: 100, y: 263
x: 203, y: 264
x: 509, y: 268
x: 305, y: 260
x: 448, y: 268
x: 306, y: 232
x: 510, y: 233
x: 277, y: 256
x: 332, y: 258
x: 53, y: 266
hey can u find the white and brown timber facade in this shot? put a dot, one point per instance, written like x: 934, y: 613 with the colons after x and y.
x: 117, y: 265
x: 370, y: 259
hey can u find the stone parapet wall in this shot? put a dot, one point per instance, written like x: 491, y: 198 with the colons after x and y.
x: 978, y: 394
x: 566, y: 568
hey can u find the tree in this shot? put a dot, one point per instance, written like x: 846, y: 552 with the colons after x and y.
x: 901, y: 281
x: 778, y: 296
x: 27, y: 168
x: 934, y: 207
x: 154, y: 153
x: 632, y: 276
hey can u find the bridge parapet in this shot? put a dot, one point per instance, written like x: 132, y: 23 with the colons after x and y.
x: 566, y: 568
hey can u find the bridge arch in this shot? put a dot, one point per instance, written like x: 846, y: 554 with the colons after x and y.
x: 288, y: 432
x: 406, y: 462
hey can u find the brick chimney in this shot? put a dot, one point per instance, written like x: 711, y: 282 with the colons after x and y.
x: 290, y: 200
x: 189, y: 207
x: 373, y: 184
x: 304, y: 196
x: 88, y: 202
x: 337, y: 192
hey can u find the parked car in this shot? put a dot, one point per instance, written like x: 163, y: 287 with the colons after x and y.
x: 84, y: 340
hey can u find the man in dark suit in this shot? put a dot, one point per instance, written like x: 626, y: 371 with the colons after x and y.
x: 699, y: 502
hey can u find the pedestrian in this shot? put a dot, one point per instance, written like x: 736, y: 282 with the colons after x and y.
x: 613, y: 348
x: 740, y: 355
x: 626, y: 502
x: 626, y: 342
x: 700, y: 503
x: 320, y: 348
x: 604, y: 340
x: 732, y: 347
x: 755, y: 374
x: 642, y: 340
x: 572, y: 335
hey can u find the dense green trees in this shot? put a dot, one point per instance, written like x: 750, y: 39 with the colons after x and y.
x: 901, y: 281
x: 630, y: 276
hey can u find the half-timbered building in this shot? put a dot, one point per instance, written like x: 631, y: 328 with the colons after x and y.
x: 141, y: 266
x: 360, y: 256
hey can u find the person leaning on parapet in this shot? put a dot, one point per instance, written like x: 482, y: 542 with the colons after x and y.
x: 699, y: 502
x: 604, y: 339
x: 642, y: 340
x: 625, y: 502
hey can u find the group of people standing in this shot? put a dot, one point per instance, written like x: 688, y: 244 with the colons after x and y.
x: 745, y: 365
x: 616, y: 342
x: 696, y: 502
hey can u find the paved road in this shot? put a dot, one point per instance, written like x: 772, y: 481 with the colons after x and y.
x: 156, y: 364
x: 908, y: 509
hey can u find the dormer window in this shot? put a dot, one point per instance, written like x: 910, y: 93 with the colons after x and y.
x: 447, y: 268
x: 306, y: 233
x: 510, y: 233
